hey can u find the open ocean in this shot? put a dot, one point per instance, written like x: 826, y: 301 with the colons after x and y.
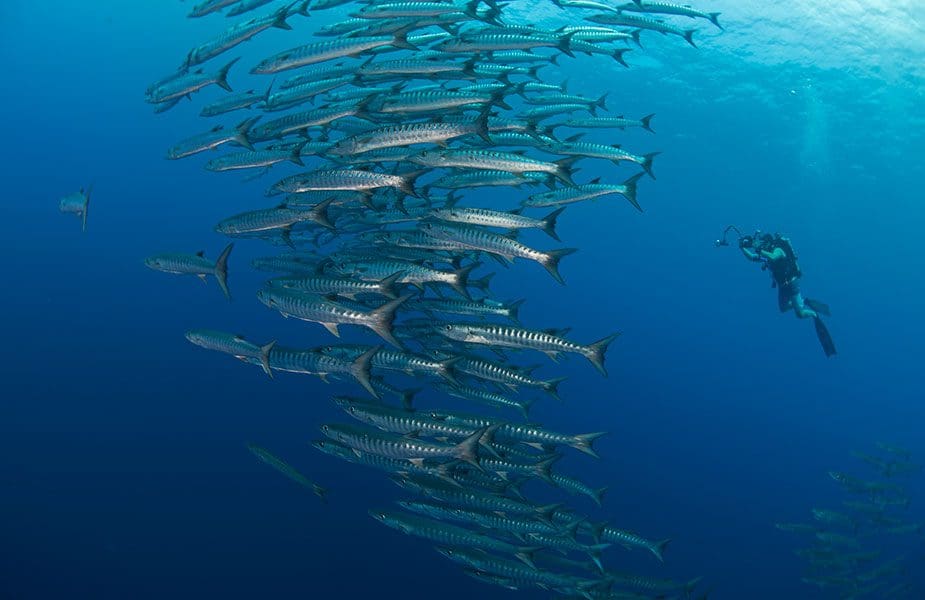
x: 124, y: 468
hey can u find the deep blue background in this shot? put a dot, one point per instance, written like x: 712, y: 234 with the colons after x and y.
x: 123, y: 469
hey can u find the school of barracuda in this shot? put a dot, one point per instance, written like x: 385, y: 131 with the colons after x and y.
x: 393, y: 110
x: 846, y: 552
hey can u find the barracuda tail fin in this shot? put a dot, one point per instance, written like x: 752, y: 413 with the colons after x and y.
x: 446, y: 369
x: 221, y: 270
x: 86, y: 209
x: 549, y: 224
x: 635, y: 34
x: 303, y: 9
x: 689, y: 37
x: 280, y: 17
x: 407, y: 183
x: 400, y: 40
x: 361, y: 370
x: 295, y: 155
x: 321, y: 492
x: 551, y: 387
x: 565, y: 44
x: 482, y: 282
x: 543, y: 469
x: 564, y: 169
x: 468, y: 449
x: 545, y: 513
x: 319, y: 214
x: 647, y: 163
x: 629, y: 190
x: 525, y: 555
x: 481, y: 123
x: 585, y: 442
x: 658, y: 549
x: 243, y: 128
x: 388, y: 287
x: 618, y: 55
x: 595, y: 352
x: 551, y: 261
x: 265, y: 358
x: 380, y: 319
x: 598, y: 496
x: 514, y: 310
x: 714, y: 18
x: 646, y: 122
x: 221, y: 78
x: 460, y: 281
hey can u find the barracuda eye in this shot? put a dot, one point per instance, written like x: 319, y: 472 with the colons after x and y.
x: 325, y: 428
x: 321, y: 444
x: 448, y: 327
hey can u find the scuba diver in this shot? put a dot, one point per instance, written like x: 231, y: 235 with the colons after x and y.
x: 775, y: 253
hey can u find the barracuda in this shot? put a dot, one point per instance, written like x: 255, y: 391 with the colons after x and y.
x: 440, y: 491
x: 323, y: 51
x: 606, y: 123
x: 404, y: 362
x: 349, y: 288
x: 612, y: 153
x: 586, y: 191
x: 184, y: 85
x: 494, y: 218
x: 310, y: 362
x: 256, y: 159
x: 403, y: 422
x: 667, y: 8
x: 494, y: 161
x: 493, y: 243
x: 516, y: 337
x: 286, y: 469
x: 406, y: 447
x: 344, y: 179
x: 487, y: 398
x: 306, y: 92
x: 432, y: 101
x: 630, y: 20
x: 232, y: 103
x: 497, y: 522
x: 530, y: 434
x: 478, y: 308
x: 274, y: 218
x: 236, y: 35
x: 235, y: 345
x: 452, y: 535
x: 211, y: 140
x: 412, y: 273
x: 398, y: 10
x: 514, y: 574
x: 194, y: 264
x: 301, y: 121
x: 309, y: 307
x: 486, y: 178
x: 408, y: 135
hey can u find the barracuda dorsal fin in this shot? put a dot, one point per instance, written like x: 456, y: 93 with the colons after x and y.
x: 201, y: 254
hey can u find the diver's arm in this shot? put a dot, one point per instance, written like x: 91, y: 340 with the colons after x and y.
x: 777, y: 254
x: 750, y: 253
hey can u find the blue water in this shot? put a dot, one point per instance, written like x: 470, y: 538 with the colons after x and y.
x: 123, y: 467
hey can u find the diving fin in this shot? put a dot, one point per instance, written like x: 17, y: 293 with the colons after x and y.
x: 822, y: 332
x: 820, y: 307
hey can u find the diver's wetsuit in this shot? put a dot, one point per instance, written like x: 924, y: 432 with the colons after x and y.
x: 777, y: 254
